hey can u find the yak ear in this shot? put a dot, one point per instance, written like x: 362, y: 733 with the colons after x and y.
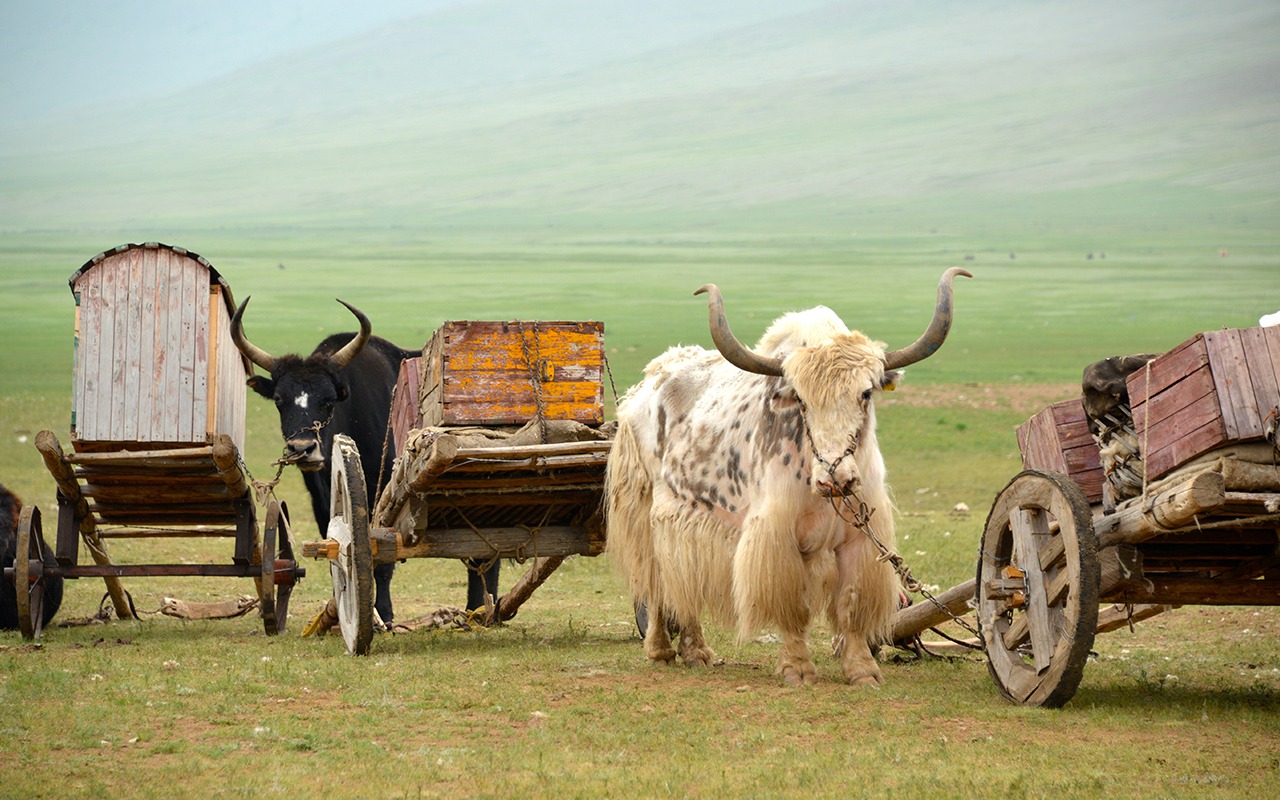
x: 262, y: 385
x: 343, y: 391
x: 890, y: 381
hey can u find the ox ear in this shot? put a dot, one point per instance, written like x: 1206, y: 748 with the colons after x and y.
x: 343, y: 391
x: 890, y: 380
x: 784, y: 398
x: 262, y: 385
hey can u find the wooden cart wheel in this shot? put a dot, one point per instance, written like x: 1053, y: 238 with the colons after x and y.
x: 277, y: 586
x: 352, y: 570
x: 1038, y: 588
x: 28, y: 573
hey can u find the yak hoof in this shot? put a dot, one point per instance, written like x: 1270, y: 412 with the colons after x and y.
x: 698, y: 656
x: 664, y: 655
x: 871, y: 677
x: 799, y: 674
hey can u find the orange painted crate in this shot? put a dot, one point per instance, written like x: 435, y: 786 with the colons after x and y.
x: 484, y: 373
x: 1058, y: 440
x: 1216, y: 388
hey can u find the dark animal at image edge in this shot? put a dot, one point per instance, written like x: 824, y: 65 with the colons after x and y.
x: 10, y: 509
x: 344, y: 386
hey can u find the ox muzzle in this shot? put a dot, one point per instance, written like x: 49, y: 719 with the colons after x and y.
x: 304, y: 453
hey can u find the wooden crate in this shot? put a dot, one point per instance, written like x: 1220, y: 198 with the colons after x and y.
x: 154, y: 360
x: 501, y: 373
x: 1058, y: 440
x: 1215, y: 389
x: 405, y: 415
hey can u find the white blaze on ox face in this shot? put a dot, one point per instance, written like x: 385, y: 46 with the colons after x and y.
x: 301, y: 400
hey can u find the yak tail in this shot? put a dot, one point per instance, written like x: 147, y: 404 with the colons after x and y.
x: 628, y: 501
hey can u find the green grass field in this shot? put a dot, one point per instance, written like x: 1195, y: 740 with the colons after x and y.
x: 1106, y: 171
x: 560, y: 701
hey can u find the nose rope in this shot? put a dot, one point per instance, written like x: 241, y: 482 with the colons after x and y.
x: 853, y: 509
x: 314, y: 428
x: 849, y: 452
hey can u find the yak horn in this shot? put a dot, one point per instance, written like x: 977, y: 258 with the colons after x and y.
x: 251, y: 351
x: 734, y: 351
x: 936, y: 333
x: 352, y: 348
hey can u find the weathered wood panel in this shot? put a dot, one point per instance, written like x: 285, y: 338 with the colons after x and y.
x: 504, y: 373
x: 1217, y: 388
x: 1058, y: 440
x: 151, y: 321
x: 405, y: 415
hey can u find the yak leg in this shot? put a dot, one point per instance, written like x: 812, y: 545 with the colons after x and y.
x: 864, y: 602
x: 657, y: 643
x: 693, y: 648
x: 794, y: 663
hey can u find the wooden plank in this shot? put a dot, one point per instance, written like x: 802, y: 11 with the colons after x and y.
x: 1030, y: 528
x: 1272, y: 337
x: 1193, y: 389
x: 184, y: 348
x: 146, y: 293
x: 129, y: 308
x: 169, y: 336
x: 175, y: 455
x: 154, y: 571
x: 143, y: 495
x: 1233, y: 385
x: 211, y: 397
x: 200, y: 299
x: 87, y: 343
x: 231, y: 378
x: 1184, y: 446
x: 404, y: 406
x: 509, y: 542
x: 1166, y: 370
x: 1168, y: 430
x: 1263, y: 374
x: 1212, y: 592
x: 188, y: 366
x: 117, y: 310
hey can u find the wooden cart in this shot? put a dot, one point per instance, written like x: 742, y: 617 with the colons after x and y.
x: 501, y: 453
x: 156, y: 430
x: 1203, y: 528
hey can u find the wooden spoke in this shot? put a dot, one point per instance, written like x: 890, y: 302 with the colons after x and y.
x: 352, y: 570
x: 1037, y: 592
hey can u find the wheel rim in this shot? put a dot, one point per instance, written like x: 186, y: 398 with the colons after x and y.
x: 352, y: 570
x: 285, y: 589
x: 28, y: 585
x: 1038, y: 588
x: 267, y: 572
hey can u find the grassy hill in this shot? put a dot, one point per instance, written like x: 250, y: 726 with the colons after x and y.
x: 808, y: 114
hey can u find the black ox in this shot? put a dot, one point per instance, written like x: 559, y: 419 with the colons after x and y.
x: 344, y: 386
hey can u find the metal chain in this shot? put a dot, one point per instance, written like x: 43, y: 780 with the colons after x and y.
x: 609, y: 371
x: 860, y: 518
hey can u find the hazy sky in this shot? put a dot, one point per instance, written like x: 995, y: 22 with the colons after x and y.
x: 60, y: 54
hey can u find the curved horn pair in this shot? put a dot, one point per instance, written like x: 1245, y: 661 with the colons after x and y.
x: 268, y: 362
x: 744, y: 358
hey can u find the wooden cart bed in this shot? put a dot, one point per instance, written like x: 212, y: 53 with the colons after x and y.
x: 508, y: 501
